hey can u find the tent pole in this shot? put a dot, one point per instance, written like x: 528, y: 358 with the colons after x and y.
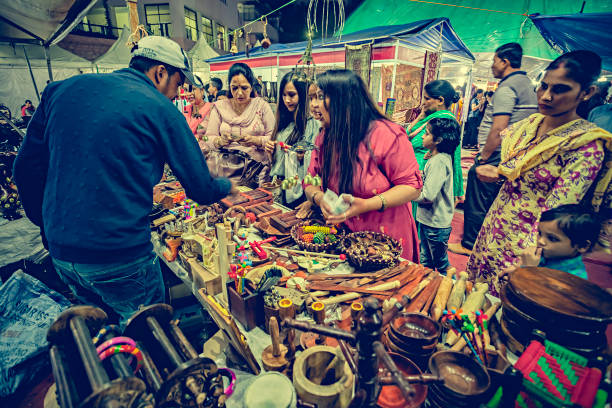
x: 395, y: 62
x: 46, y: 47
x: 31, y: 73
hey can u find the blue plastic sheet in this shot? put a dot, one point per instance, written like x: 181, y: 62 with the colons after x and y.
x: 27, y: 310
x: 588, y: 31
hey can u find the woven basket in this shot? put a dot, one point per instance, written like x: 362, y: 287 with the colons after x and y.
x: 296, y: 234
x: 354, y: 243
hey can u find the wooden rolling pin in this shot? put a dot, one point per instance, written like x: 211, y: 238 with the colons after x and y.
x: 441, y: 298
x: 457, y: 294
x: 430, y: 290
x: 473, y: 302
x: 352, y: 295
x: 490, y: 312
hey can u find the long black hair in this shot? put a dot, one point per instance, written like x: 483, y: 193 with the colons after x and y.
x: 284, y: 118
x: 237, y: 69
x: 441, y: 88
x: 351, y: 111
x: 582, y: 66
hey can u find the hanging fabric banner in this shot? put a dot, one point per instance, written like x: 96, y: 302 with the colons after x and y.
x: 358, y: 59
x: 431, y: 68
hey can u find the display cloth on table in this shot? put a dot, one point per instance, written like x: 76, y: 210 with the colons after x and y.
x: 19, y: 239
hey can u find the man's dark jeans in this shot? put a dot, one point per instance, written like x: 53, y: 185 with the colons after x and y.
x: 122, y: 287
x: 479, y: 197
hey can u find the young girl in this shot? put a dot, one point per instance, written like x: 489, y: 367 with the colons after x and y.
x: 436, y: 202
x: 293, y: 129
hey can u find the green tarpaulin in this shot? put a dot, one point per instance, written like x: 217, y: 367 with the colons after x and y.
x: 480, y: 30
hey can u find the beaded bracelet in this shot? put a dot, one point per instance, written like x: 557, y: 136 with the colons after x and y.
x: 124, y: 348
x: 226, y: 372
x: 114, y: 342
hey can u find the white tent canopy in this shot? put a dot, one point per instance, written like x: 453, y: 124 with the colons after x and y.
x: 118, y: 55
x: 16, y: 80
x: 200, y: 52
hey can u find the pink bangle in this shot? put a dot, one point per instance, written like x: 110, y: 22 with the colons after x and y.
x: 115, y: 341
x: 226, y: 372
x: 124, y: 348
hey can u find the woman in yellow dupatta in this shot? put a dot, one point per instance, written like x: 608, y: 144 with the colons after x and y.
x: 549, y: 159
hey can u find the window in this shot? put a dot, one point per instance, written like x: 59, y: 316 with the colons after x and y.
x: 221, y: 42
x: 207, y: 29
x: 191, y: 24
x: 122, y: 16
x: 247, y: 11
x: 158, y: 19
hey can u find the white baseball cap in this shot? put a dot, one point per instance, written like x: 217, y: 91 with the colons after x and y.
x: 165, y: 50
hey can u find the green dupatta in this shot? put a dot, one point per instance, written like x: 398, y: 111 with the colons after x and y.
x: 416, y: 133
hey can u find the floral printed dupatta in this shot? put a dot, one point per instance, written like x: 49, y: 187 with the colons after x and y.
x: 521, y: 151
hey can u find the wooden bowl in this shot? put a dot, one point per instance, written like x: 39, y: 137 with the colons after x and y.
x: 391, y: 397
x: 549, y: 294
x: 593, y: 337
x: 463, y: 376
x: 415, y: 330
x: 363, y: 250
x: 297, y: 232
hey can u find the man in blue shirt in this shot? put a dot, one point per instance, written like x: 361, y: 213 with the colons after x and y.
x: 93, y: 151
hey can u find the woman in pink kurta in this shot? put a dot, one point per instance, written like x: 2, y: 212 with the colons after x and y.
x: 243, y: 122
x: 363, y: 154
x: 197, y: 118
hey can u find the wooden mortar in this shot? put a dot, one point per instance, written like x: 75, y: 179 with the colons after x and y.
x: 310, y: 365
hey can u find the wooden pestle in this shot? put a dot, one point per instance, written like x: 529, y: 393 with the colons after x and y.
x: 441, y: 298
x: 457, y: 294
x: 273, y: 356
x: 473, y: 302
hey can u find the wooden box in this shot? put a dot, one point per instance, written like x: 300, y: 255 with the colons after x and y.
x: 259, y: 195
x: 231, y: 201
x: 284, y: 222
x: 246, y: 308
x: 263, y: 210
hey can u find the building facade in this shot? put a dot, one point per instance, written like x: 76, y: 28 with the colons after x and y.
x: 184, y: 21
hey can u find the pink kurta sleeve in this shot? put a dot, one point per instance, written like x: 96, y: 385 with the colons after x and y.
x: 395, y: 155
x: 212, y: 130
x: 316, y: 157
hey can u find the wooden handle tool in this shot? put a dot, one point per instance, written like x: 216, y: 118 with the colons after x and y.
x: 273, y: 356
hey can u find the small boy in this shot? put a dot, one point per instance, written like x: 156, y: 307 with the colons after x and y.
x: 565, y: 233
x: 436, y: 202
